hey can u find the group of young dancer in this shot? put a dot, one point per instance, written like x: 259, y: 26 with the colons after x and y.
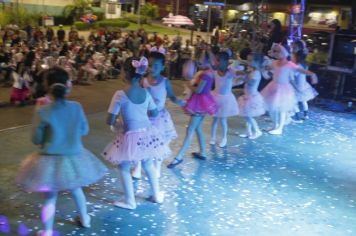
x: 144, y: 127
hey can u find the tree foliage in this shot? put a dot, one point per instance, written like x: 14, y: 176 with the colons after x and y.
x: 77, y: 9
x: 150, y: 10
x: 18, y: 15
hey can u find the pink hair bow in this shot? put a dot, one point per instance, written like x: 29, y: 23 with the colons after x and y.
x: 160, y: 50
x: 141, y: 65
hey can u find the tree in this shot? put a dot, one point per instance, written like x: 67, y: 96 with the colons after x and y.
x: 150, y: 10
x: 77, y: 9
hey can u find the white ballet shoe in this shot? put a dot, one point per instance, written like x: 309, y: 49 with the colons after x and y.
x: 244, y: 135
x: 212, y: 142
x: 45, y: 233
x: 256, y: 135
x: 223, y: 143
x: 122, y: 204
x: 136, y: 174
x: 85, y: 223
x: 158, y: 199
x: 275, y: 132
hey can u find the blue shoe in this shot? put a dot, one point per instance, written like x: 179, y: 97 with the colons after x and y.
x: 198, y: 156
x: 174, y: 163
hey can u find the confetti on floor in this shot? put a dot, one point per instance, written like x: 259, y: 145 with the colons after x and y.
x: 300, y: 183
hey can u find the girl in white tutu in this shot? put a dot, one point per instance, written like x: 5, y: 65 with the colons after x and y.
x: 225, y: 99
x: 279, y: 94
x: 62, y: 162
x: 140, y: 141
x: 159, y: 87
x: 304, y: 91
x: 252, y: 104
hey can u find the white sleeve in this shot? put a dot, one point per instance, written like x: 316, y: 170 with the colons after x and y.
x: 115, y: 104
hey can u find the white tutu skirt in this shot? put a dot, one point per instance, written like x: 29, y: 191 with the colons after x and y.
x: 279, y: 97
x: 227, y: 105
x: 137, y: 145
x: 306, y: 93
x: 163, y: 122
x: 52, y: 173
x: 251, y: 105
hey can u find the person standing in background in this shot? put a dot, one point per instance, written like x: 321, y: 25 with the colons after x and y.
x: 61, y: 33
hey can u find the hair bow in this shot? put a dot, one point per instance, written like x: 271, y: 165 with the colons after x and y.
x: 160, y: 50
x: 141, y: 65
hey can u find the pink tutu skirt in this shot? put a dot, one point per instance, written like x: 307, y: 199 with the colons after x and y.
x: 201, y: 104
x: 251, y: 105
x: 279, y: 97
x: 48, y: 173
x: 19, y: 95
x: 227, y: 105
x: 306, y: 93
x: 137, y: 145
x: 163, y: 122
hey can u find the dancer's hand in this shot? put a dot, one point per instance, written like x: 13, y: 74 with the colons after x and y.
x: 117, y: 126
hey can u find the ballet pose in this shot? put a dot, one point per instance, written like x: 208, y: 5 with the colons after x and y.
x: 251, y: 103
x: 198, y: 106
x: 159, y: 87
x: 140, y: 141
x: 62, y: 163
x: 225, y: 99
x: 279, y: 94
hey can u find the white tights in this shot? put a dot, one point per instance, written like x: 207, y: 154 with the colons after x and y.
x: 252, y: 126
x: 214, y: 126
x: 49, y: 207
x: 126, y: 178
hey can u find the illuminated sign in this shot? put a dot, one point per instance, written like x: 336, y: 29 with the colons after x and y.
x: 221, y: 4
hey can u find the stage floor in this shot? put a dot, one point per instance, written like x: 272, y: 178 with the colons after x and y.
x: 300, y: 183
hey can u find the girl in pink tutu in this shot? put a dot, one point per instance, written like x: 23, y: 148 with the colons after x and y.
x: 20, y: 89
x: 198, y: 106
x: 140, y: 141
x: 62, y: 163
x: 223, y: 96
x: 304, y: 91
x: 279, y: 94
x: 159, y: 87
x: 251, y: 104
